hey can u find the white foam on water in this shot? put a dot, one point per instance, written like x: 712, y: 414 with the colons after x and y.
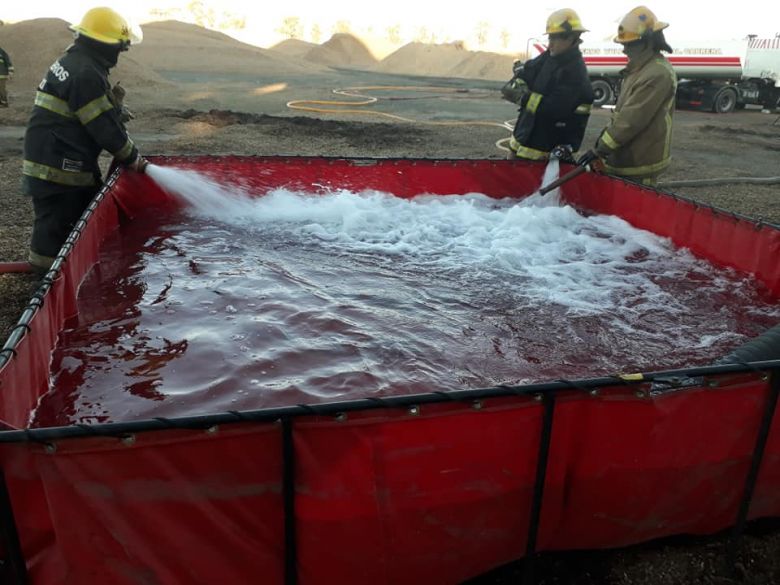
x: 590, y: 265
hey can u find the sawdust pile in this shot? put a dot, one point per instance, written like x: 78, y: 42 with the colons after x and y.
x: 167, y: 46
x: 484, y: 65
x: 177, y: 46
x: 172, y: 46
x: 424, y: 59
x: 342, y: 50
x: 447, y: 60
x: 35, y: 44
x: 294, y: 47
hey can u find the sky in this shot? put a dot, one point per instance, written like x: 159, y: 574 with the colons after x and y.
x: 501, y: 25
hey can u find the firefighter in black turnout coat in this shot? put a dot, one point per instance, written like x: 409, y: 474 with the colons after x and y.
x: 554, y: 94
x: 6, y: 73
x: 76, y: 115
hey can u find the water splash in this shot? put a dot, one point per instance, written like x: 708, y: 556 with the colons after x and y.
x: 552, y: 198
x: 204, y: 194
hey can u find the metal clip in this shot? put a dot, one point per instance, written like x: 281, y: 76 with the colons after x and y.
x: 669, y: 383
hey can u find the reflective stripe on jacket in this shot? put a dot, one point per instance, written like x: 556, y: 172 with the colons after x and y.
x: 558, y: 107
x: 639, y: 137
x: 74, y: 118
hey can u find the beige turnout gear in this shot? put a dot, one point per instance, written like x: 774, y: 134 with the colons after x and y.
x: 637, y: 142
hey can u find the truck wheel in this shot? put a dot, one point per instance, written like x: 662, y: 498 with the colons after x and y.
x: 725, y: 101
x: 603, y: 92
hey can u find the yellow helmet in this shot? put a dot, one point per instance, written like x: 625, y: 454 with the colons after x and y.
x: 564, y: 21
x: 107, y: 26
x: 637, y: 24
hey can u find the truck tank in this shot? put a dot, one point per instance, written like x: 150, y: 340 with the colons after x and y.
x: 718, y: 75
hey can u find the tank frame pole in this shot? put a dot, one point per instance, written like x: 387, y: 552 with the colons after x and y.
x: 548, y: 410
x: 288, y: 491
x: 13, y: 568
x: 764, y: 429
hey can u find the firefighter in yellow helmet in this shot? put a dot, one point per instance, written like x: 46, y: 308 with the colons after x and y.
x: 636, y: 144
x: 75, y: 117
x: 554, y: 94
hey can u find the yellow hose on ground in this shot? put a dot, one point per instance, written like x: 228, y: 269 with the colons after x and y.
x: 361, y: 99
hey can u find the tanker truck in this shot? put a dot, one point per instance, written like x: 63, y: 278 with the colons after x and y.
x: 713, y: 76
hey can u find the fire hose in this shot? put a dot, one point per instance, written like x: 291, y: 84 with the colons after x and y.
x: 720, y: 181
x: 15, y: 267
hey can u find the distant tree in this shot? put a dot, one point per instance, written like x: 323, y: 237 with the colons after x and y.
x: 165, y: 13
x: 316, y: 34
x: 291, y: 27
x: 232, y: 21
x: 422, y: 35
x: 342, y: 26
x: 394, y: 34
x: 506, y: 36
x: 483, y: 29
x: 202, y: 14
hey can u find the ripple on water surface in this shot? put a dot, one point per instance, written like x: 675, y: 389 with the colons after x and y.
x: 293, y: 298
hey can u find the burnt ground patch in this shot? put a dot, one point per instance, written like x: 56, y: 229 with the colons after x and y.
x: 358, y: 134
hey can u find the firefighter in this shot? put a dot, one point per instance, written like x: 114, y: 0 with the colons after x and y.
x: 636, y: 144
x: 75, y: 117
x: 6, y: 73
x: 555, y: 95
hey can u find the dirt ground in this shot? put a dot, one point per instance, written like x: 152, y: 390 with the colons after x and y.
x: 254, y: 120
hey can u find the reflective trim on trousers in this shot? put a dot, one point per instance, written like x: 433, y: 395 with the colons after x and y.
x: 583, y: 109
x: 526, y: 152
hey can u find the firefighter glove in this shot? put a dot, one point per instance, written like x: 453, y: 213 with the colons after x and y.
x: 587, y: 158
x: 139, y: 164
x: 119, y: 94
x: 602, y: 150
x: 591, y: 160
x: 515, y: 90
x: 126, y: 115
x: 563, y: 152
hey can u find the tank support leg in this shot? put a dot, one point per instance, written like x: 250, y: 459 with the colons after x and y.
x: 755, y: 467
x: 548, y: 410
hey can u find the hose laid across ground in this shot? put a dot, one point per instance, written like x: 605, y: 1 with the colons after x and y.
x: 15, y: 267
x: 364, y: 100
x: 720, y: 181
